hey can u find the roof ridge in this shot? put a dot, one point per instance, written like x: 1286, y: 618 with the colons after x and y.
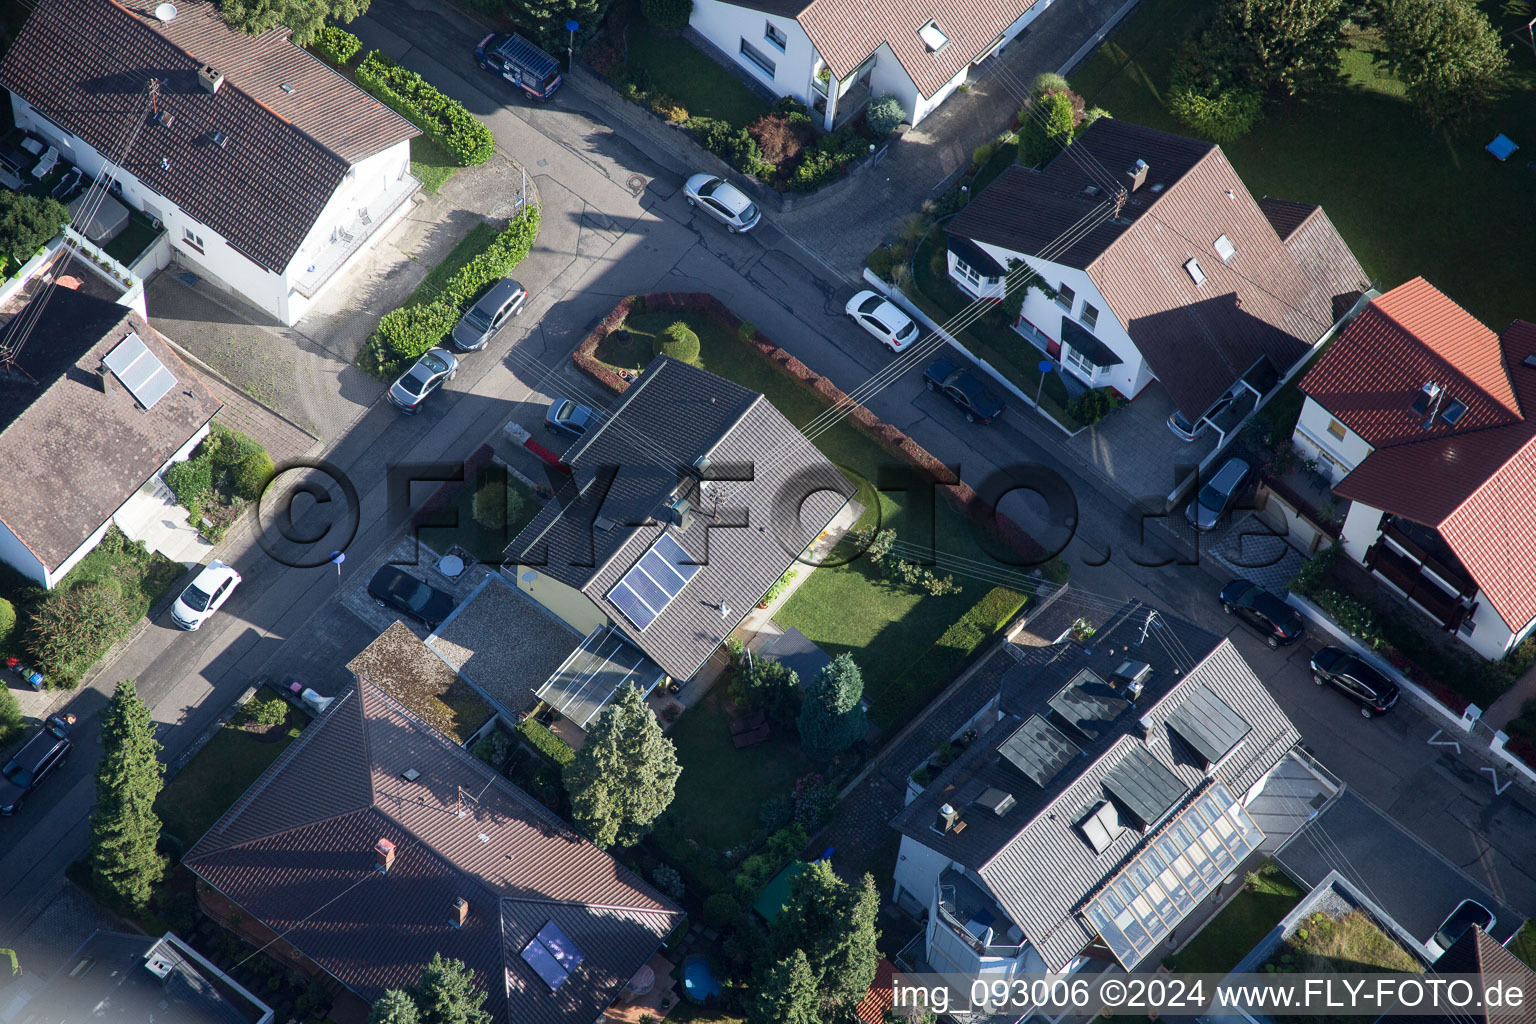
x: 1157, y: 197
x: 1430, y: 348
x: 587, y: 905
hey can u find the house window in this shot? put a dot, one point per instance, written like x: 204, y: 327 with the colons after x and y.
x: 1224, y: 248
x: 1074, y: 358
x: 1192, y: 268
x: 758, y: 57
x: 1336, y: 429
x: 192, y: 239
x: 1090, y: 317
x: 970, y: 273
x: 774, y: 36
x: 932, y: 37
x: 1065, y: 297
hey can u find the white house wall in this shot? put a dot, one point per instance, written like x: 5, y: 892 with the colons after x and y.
x: 1335, y: 455
x: 726, y: 25
x: 20, y: 557
x: 918, y: 869
x: 923, y: 106
x: 889, y: 78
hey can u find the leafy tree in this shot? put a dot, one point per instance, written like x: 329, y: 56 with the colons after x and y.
x: 72, y: 628
x: 831, y: 717
x: 267, y: 713
x: 1446, y: 53
x: 1209, y: 97
x: 447, y: 995
x: 1289, y: 44
x: 787, y: 994
x: 395, y: 1007
x: 27, y: 222
x: 1048, y: 127
x: 668, y: 15
x: 833, y: 924
x: 305, y: 17
x: 769, y: 685
x: 624, y: 776
x: 548, y: 18
x: 124, y: 829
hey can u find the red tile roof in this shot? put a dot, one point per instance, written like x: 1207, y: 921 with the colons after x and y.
x: 85, y: 65
x: 880, y: 997
x: 296, y: 852
x: 1475, y: 483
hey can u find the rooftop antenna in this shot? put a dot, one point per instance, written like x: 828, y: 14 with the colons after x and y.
x: 1147, y: 625
x: 154, y: 97
x: 459, y: 809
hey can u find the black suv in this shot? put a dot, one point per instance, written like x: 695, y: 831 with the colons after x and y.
x: 32, y: 763
x: 1374, y: 692
x: 1277, y: 622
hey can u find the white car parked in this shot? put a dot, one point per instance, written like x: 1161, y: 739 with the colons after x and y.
x: 880, y: 317
x: 204, y: 595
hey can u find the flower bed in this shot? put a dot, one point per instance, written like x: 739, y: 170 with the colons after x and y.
x: 959, y: 494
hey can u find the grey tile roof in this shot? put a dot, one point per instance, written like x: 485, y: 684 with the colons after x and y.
x: 1033, y: 859
x: 628, y: 470
x: 84, y: 64
x: 72, y: 452
x: 296, y: 852
x: 1270, y: 301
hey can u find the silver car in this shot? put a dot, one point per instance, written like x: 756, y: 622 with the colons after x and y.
x: 476, y: 328
x: 723, y: 201
x: 425, y: 376
x: 1218, y: 495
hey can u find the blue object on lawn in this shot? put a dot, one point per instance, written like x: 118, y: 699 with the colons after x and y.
x: 1501, y: 147
x: 699, y: 979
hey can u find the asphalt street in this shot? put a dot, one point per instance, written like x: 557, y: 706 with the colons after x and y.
x: 604, y: 238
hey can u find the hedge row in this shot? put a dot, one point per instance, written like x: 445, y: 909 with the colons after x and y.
x: 443, y: 118
x: 405, y: 333
x: 958, y: 493
x: 336, y: 45
x: 546, y: 742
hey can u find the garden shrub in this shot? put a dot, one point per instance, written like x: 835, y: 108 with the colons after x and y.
x: 883, y: 114
x: 1206, y: 101
x: 668, y: 15
x: 494, y: 503
x: 336, y: 45
x: 756, y: 870
x: 1092, y: 406
x: 1057, y: 570
x: 780, y: 137
x: 190, y: 479
x: 228, y: 447
x: 445, y: 119
x: 679, y: 342
x: 1047, y: 81
x: 28, y: 222
x: 666, y: 878
x: 251, y: 476
x: 12, y: 721
x: 1354, y: 617
x: 546, y: 742
x: 721, y: 911
x: 266, y: 713
x: 982, y: 153
x: 7, y: 620
x: 669, y: 109
x: 733, y: 145
x: 880, y: 261
x: 747, y: 330
x: 790, y: 105
x: 71, y: 629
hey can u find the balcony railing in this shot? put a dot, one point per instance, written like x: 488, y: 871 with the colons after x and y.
x: 350, y: 237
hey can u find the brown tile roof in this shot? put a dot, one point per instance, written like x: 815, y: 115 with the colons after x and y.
x: 1271, y: 301
x: 880, y: 997
x: 845, y: 32
x: 297, y: 853
x: 1474, y: 483
x: 85, y: 64
x: 73, y: 453
x: 1285, y: 215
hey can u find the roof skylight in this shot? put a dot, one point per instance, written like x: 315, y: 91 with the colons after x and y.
x: 932, y: 37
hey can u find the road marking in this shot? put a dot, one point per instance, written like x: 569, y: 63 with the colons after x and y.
x: 1436, y: 741
x: 1498, y: 790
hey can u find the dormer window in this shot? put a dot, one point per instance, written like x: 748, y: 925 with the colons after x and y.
x: 1453, y: 411
x: 1192, y: 268
x: 1224, y: 248
x: 932, y: 37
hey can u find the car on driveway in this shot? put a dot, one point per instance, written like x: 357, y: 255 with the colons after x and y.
x: 1277, y: 622
x: 434, y: 369
x: 34, y: 761
x: 476, y: 328
x: 568, y: 417
x: 880, y: 317
x: 1208, y: 507
x: 1361, y: 683
x: 1186, y: 431
x: 1460, y: 921
x: 961, y: 386
x: 204, y: 595
x: 723, y: 202
x: 395, y: 588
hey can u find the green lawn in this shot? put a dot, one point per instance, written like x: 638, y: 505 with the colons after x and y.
x: 431, y: 164
x: 905, y: 641
x: 722, y: 788
x: 1523, y: 945
x: 486, y: 544
x: 214, y: 779
x: 678, y: 69
x: 1409, y: 200
x: 997, y: 343
x: 1267, y: 897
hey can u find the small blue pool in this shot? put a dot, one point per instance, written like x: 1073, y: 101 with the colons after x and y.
x: 698, y: 979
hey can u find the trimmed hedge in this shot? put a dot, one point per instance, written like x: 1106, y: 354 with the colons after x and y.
x: 405, y: 333
x: 679, y: 342
x: 445, y: 119
x: 336, y: 45
x: 546, y: 742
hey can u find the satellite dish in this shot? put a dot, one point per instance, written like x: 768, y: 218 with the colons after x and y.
x: 529, y: 576
x: 165, y: 12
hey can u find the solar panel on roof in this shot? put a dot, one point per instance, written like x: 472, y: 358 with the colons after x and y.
x: 1140, y: 906
x: 1208, y: 724
x: 653, y: 582
x: 1144, y: 786
x: 560, y: 947
x: 140, y: 370
x: 1102, y: 826
x: 1089, y: 704
x: 544, y: 962
x: 1039, y: 750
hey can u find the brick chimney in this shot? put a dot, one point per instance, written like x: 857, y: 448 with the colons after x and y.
x: 385, y: 855
x: 460, y: 912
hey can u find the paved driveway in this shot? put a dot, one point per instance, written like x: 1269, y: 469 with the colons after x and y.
x: 1392, y: 867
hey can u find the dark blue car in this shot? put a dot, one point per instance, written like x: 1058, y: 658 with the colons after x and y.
x: 962, y: 387
x: 521, y: 63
